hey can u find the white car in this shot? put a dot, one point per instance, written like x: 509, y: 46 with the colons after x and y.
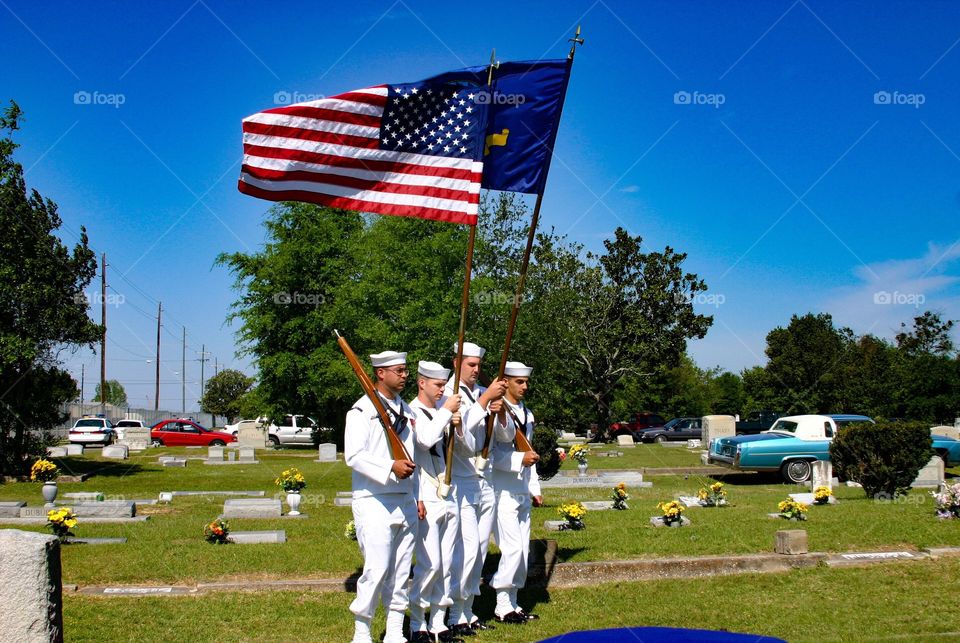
x: 121, y: 426
x: 92, y: 430
x: 293, y: 429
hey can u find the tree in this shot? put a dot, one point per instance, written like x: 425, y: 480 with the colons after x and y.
x: 930, y: 335
x: 43, y: 310
x: 225, y: 392
x: 115, y: 393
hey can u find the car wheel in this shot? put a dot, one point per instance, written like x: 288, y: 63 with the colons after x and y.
x: 274, y: 440
x: 157, y: 442
x: 660, y: 439
x: 796, y: 471
x: 217, y: 443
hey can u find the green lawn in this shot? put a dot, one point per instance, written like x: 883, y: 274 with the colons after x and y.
x: 642, y: 456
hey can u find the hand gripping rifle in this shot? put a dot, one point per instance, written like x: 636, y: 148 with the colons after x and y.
x: 522, y: 443
x: 397, y: 450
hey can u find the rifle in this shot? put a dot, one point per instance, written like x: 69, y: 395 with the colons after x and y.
x: 523, y: 444
x: 397, y: 450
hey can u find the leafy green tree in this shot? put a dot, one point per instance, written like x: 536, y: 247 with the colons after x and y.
x: 805, y: 365
x: 43, y: 310
x: 224, y: 393
x: 728, y: 395
x: 116, y: 394
x: 930, y: 335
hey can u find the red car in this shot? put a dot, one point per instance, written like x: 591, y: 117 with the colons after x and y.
x: 187, y: 433
x: 636, y: 424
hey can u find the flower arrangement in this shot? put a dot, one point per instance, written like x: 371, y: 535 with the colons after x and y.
x: 790, y: 509
x: 61, y: 521
x: 291, y: 480
x: 947, y: 501
x: 350, y: 531
x: 573, y: 513
x: 712, y: 496
x: 579, y: 453
x: 821, y: 495
x: 44, y: 471
x: 672, y: 511
x: 561, y: 453
x: 217, y: 532
x: 620, y: 497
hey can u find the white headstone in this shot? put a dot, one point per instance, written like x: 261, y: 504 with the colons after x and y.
x: 251, y: 434
x: 625, y: 440
x: 823, y: 474
x: 931, y: 475
x: 247, y: 454
x: 115, y: 452
x: 252, y: 508
x: 137, y: 438
x: 57, y: 452
x: 215, y: 453
x: 74, y: 449
x: 31, y: 592
x: 718, y: 426
x: 328, y: 453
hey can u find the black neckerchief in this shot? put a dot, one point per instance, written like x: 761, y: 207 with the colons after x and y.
x: 433, y: 449
x: 469, y: 395
x: 400, y: 419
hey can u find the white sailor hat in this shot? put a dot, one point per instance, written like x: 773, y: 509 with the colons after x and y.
x: 517, y: 369
x: 470, y: 350
x: 432, y: 371
x: 388, y: 358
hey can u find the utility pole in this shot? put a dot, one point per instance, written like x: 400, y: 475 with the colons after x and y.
x: 82, y: 367
x: 156, y: 395
x: 203, y: 359
x: 183, y: 375
x: 103, y: 321
x: 216, y: 366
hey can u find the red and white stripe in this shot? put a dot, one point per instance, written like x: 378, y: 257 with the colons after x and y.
x: 327, y: 152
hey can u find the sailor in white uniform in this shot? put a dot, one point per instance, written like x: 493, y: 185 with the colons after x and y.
x: 517, y: 484
x: 439, y: 524
x: 384, y: 500
x: 474, y: 494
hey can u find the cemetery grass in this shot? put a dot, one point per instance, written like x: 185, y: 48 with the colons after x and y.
x: 895, y: 601
x: 169, y: 548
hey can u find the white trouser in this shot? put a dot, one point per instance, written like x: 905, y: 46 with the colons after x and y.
x: 386, y: 530
x: 513, y: 527
x: 477, y: 502
x: 436, y: 540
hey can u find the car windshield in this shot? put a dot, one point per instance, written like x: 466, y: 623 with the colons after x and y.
x: 784, y: 426
x: 672, y: 423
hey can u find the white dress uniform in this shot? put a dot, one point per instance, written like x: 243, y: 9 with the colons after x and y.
x: 475, y: 498
x: 515, y: 485
x: 438, y: 532
x: 384, y: 513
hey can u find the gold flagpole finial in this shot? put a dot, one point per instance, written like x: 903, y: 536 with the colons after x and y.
x: 493, y: 65
x: 576, y: 40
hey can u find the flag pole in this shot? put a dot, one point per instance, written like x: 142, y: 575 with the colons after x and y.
x: 444, y: 489
x: 531, y: 236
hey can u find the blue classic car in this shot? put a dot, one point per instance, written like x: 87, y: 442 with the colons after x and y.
x: 793, y: 443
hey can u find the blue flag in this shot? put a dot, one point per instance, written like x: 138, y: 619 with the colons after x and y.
x: 524, y: 114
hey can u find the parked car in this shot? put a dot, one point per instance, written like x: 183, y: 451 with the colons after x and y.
x: 92, y: 430
x: 636, y: 423
x: 180, y: 433
x: 124, y: 424
x: 292, y: 429
x: 675, y: 429
x: 758, y: 421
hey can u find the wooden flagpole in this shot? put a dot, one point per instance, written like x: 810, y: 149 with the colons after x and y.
x: 531, y: 235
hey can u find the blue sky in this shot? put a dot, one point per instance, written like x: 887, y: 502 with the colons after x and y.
x: 804, y: 154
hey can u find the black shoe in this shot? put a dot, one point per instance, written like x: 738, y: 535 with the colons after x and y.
x: 512, y: 617
x: 421, y: 637
x: 462, y: 629
x: 479, y: 625
x: 529, y: 617
x: 447, y: 636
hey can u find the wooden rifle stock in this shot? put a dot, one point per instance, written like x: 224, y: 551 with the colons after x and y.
x: 523, y: 444
x: 397, y: 450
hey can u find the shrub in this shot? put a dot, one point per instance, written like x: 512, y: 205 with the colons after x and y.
x: 545, y: 444
x: 884, y: 458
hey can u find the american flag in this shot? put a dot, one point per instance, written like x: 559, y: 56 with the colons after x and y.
x: 408, y: 150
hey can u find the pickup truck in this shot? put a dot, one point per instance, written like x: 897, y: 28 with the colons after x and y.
x: 757, y: 421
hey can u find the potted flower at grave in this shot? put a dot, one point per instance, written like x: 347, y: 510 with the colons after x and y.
x: 790, y: 509
x: 350, y: 531
x: 947, y: 501
x: 292, y: 481
x: 821, y: 495
x: 46, y: 472
x: 620, y: 497
x: 573, y: 513
x: 672, y: 513
x: 61, y: 521
x: 712, y: 496
x: 579, y: 453
x: 217, y: 532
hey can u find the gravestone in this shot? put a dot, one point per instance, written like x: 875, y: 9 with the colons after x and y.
x: 252, y: 508
x: 106, y: 509
x: 136, y: 438
x: 554, y: 525
x: 247, y: 456
x: 84, y: 496
x: 657, y: 521
x: 822, y: 475
x: 166, y: 496
x: 625, y: 441
x: 694, y: 444
x: 115, y: 452
x: 174, y: 462
x: 31, y: 592
x: 328, y: 453
x: 691, y: 501
x: 946, y: 431
x: 74, y: 449
x: 597, y: 505
x: 807, y: 499
x: 718, y: 426
x: 251, y: 434
x: 931, y: 475
x: 232, y: 456
x: 600, y: 479
x: 790, y: 542
x: 11, y: 508
x: 258, y: 537
x: 215, y: 454
x: 57, y: 452
x: 341, y: 501
x: 97, y: 541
